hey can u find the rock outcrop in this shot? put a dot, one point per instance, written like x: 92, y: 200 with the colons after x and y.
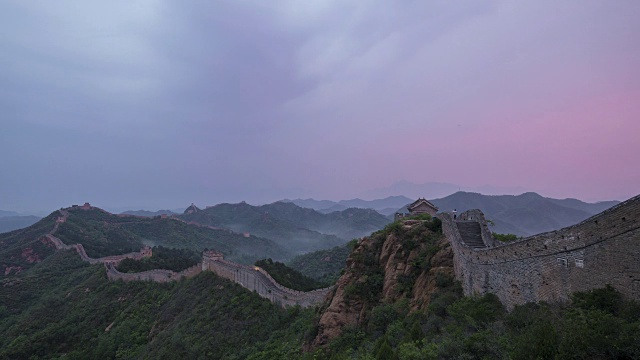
x: 402, y: 261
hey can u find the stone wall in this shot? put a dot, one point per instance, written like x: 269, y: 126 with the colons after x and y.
x: 113, y: 259
x: 477, y: 215
x: 157, y: 275
x: 257, y: 279
x: 604, y: 249
x: 252, y: 278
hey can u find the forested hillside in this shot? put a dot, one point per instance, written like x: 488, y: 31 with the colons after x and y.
x: 63, y: 307
x: 21, y: 249
x: 324, y: 265
x: 162, y: 258
x: 297, y: 229
x: 104, y: 234
x: 289, y: 277
x: 397, y: 299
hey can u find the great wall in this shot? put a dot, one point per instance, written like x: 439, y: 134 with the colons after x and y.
x: 253, y: 278
x: 601, y: 250
x: 604, y: 249
x: 257, y: 279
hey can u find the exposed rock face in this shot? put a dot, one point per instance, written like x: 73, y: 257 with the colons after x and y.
x: 340, y: 312
x: 425, y: 284
x: 403, y: 261
x: 30, y: 256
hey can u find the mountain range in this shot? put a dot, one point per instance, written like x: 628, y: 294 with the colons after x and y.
x: 11, y: 220
x: 4, y: 213
x: 296, y: 228
x: 385, y: 206
x: 432, y: 190
x: 147, y: 213
x: 397, y: 296
x: 525, y: 214
x: 104, y: 234
x: 303, y: 225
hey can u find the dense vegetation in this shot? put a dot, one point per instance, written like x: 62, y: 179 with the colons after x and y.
x: 323, y: 265
x: 288, y: 277
x: 64, y: 307
x: 99, y: 233
x: 177, y: 234
x: 422, y: 239
x: 298, y: 229
x: 162, y: 258
x: 596, y: 325
x: 104, y: 234
x: 505, y: 237
x: 21, y: 249
x: 260, y: 221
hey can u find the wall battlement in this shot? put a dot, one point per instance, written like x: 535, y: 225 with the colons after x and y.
x: 257, y: 279
x: 604, y: 249
x: 157, y: 275
x: 251, y: 277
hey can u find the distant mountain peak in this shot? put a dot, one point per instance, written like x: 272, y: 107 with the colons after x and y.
x: 530, y: 194
x: 191, y: 209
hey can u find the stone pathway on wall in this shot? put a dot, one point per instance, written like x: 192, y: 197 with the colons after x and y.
x: 599, y: 251
x: 471, y: 234
x: 257, y: 279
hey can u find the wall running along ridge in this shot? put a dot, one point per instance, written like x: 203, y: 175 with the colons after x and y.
x: 604, y: 249
x: 257, y: 279
x: 253, y: 278
x: 157, y: 275
x: 111, y: 262
x: 114, y: 259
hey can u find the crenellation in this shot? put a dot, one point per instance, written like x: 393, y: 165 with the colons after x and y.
x: 257, y: 279
x: 603, y: 249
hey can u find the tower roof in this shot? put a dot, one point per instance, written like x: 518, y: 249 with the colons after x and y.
x: 419, y: 202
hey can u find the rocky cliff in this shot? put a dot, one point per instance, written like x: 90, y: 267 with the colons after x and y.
x: 406, y: 260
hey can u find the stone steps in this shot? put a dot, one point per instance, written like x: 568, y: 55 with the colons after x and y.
x: 471, y: 234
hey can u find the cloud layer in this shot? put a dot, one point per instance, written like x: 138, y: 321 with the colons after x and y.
x: 155, y: 103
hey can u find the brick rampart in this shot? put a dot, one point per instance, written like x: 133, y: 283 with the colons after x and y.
x: 157, y: 275
x: 252, y: 278
x: 257, y: 279
x: 113, y: 259
x: 604, y: 249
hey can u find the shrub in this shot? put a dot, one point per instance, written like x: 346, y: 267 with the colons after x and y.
x: 607, y: 299
x: 505, y: 237
x: 477, y: 312
x: 539, y: 340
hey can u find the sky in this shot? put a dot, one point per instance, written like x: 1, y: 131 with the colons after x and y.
x: 158, y: 104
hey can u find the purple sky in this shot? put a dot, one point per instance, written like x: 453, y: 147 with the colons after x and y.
x: 158, y: 104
